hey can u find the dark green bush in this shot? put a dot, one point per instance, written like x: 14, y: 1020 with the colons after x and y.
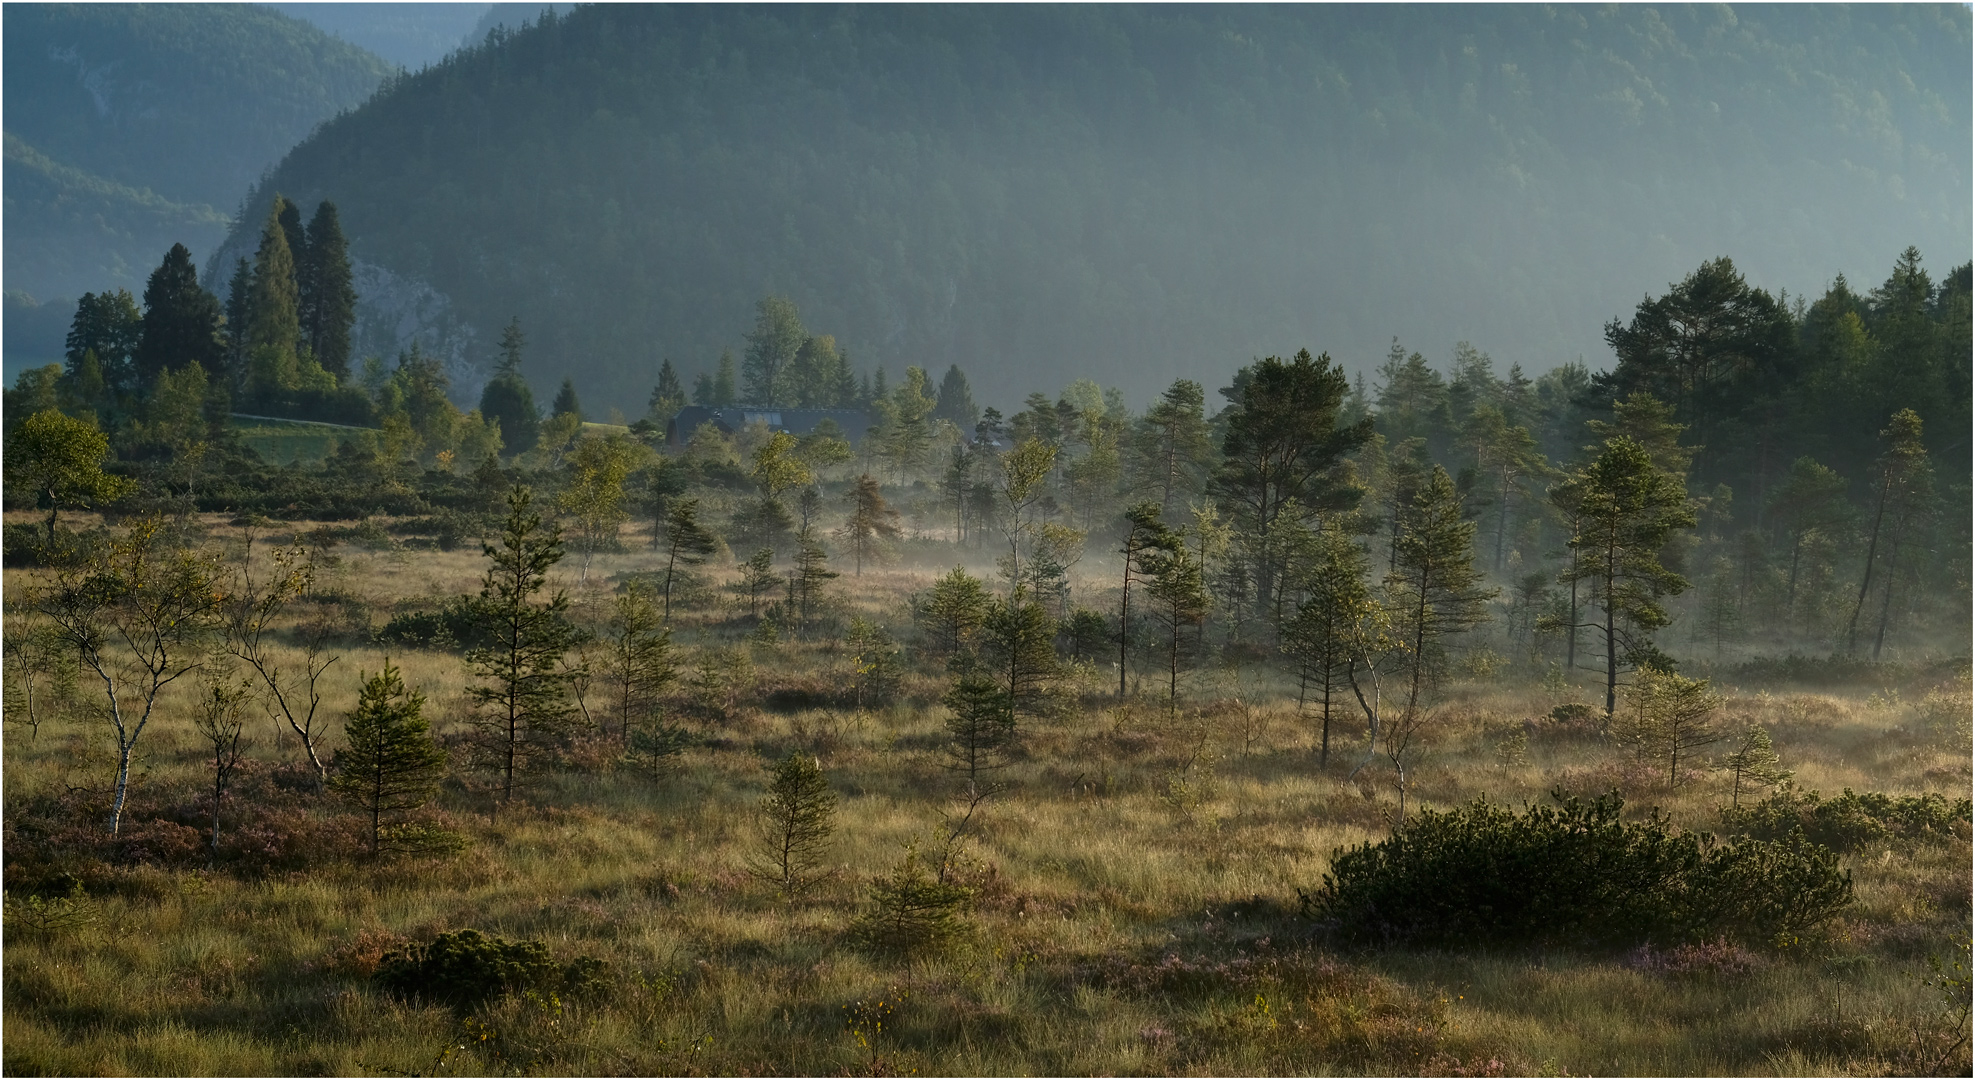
x: 1573, y: 874
x: 466, y: 967
x: 1851, y: 822
x: 911, y: 911
x: 456, y: 624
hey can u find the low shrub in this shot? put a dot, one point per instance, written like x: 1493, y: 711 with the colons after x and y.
x: 1574, y: 873
x: 456, y: 624
x: 910, y: 911
x: 464, y: 968
x: 1851, y: 822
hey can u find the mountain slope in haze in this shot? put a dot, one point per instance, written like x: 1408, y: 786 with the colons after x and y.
x: 1130, y: 194
x: 133, y: 126
x: 407, y: 35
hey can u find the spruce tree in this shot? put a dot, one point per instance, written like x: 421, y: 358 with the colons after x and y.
x: 794, y: 825
x: 328, y: 308
x: 565, y: 401
x: 668, y: 397
x: 239, y: 308
x: 391, y: 765
x: 956, y: 400
x: 108, y: 326
x: 272, y: 320
x: 507, y: 400
x: 522, y: 706
x: 181, y: 320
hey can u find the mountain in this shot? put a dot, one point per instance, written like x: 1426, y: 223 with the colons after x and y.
x: 1128, y: 193
x: 409, y: 36
x: 133, y: 126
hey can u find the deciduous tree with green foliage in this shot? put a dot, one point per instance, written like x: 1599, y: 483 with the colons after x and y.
x: 60, y: 459
x: 137, y: 614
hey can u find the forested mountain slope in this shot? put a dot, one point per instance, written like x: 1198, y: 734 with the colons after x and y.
x: 1130, y: 193
x: 134, y: 126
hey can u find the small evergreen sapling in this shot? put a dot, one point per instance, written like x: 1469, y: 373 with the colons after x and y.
x: 391, y: 766
x: 980, y: 727
x: 1755, y: 764
x: 795, y: 821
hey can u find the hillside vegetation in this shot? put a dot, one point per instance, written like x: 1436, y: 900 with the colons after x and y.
x: 1137, y: 191
x: 122, y: 119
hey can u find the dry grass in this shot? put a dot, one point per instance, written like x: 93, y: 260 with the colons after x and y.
x: 1123, y: 923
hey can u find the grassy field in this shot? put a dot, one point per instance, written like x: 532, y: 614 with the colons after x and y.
x: 1135, y: 888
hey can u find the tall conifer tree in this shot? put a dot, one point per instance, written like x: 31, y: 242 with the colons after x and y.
x: 328, y: 299
x: 181, y: 320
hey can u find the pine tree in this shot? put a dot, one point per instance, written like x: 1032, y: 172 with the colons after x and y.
x: 1171, y: 447
x: 328, y: 299
x: 565, y: 401
x: 1321, y: 635
x: 871, y: 519
x: 1435, y: 586
x: 950, y: 614
x: 181, y: 320
x: 523, y: 706
x: 1903, y: 496
x: 1810, y: 502
x: 794, y: 825
x: 637, y: 665
x: 980, y: 727
x: 812, y: 572
x: 1178, y: 604
x: 1146, y: 539
x: 391, y: 765
x: 1754, y: 763
x: 757, y: 577
x: 1281, y: 455
x: 1018, y: 650
x: 1623, y: 509
x: 687, y: 544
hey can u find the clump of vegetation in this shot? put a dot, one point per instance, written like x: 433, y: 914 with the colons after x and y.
x: 1853, y: 821
x: 911, y: 910
x: 1574, y: 873
x: 464, y: 968
x: 457, y: 623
